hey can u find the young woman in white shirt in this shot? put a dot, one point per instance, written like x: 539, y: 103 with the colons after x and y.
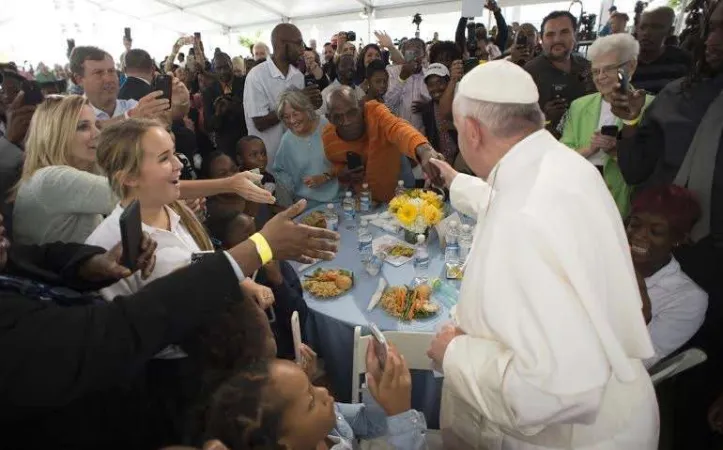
x: 661, y: 220
x: 138, y: 157
x: 62, y: 194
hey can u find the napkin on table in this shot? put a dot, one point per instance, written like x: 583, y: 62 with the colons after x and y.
x: 378, y: 294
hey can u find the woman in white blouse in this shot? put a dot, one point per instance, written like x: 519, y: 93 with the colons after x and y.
x: 138, y: 158
x: 660, y: 221
x: 62, y: 195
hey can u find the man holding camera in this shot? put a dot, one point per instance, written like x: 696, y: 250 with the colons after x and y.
x: 560, y: 75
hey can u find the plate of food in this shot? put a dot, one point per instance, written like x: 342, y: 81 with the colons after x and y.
x: 328, y: 283
x: 315, y: 219
x: 407, y: 303
x: 397, y: 251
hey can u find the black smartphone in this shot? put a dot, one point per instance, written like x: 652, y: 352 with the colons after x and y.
x: 624, y: 80
x: 198, y: 256
x: 33, y: 94
x: 309, y: 80
x: 469, y: 64
x: 609, y: 130
x: 127, y: 33
x: 163, y: 83
x: 131, y: 234
x: 558, y: 91
x: 353, y: 160
x: 197, y: 34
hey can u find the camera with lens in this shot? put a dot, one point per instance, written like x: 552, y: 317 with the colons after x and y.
x: 350, y: 36
x: 586, y: 30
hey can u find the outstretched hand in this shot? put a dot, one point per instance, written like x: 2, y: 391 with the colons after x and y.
x: 107, y: 266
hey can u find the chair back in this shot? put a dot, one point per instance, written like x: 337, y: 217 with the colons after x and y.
x: 677, y: 364
x: 413, y: 345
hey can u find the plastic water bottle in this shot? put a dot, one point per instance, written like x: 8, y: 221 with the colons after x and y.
x: 399, y: 190
x: 451, y: 248
x: 421, y: 261
x: 465, y: 242
x: 365, y: 199
x: 365, y: 242
x: 332, y: 218
x: 348, y: 207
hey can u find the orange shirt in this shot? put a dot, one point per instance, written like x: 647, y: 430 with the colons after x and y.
x: 387, y: 136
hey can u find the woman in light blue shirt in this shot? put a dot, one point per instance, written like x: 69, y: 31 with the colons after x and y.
x: 300, y: 165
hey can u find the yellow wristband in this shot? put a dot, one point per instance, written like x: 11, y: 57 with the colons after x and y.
x: 262, y: 248
x: 632, y: 123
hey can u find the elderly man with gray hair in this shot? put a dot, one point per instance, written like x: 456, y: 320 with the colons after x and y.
x: 548, y: 336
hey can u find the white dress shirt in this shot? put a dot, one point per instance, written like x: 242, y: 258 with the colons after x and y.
x: 264, y: 85
x: 121, y: 107
x: 678, y: 308
x: 550, y: 307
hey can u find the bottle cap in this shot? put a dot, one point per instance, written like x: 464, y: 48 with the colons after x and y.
x: 348, y: 193
x: 330, y: 206
x: 365, y: 185
x: 420, y: 239
x: 400, y: 183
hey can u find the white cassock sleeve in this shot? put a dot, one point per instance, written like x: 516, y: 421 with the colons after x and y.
x: 536, y: 360
x: 469, y: 194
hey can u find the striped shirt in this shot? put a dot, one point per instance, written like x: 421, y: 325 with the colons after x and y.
x: 652, y: 77
x: 386, y: 137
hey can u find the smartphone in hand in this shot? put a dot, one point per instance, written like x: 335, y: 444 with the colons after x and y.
x: 623, y: 80
x: 163, y: 83
x: 131, y: 235
x: 353, y: 160
x: 296, y: 334
x: 32, y: 93
x: 609, y: 130
x: 381, y: 347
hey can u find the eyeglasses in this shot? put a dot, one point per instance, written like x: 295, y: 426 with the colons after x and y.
x: 607, y: 70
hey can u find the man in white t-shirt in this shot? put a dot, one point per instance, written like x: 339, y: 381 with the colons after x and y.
x: 266, y: 82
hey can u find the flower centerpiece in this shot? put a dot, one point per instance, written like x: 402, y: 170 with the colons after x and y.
x: 417, y: 210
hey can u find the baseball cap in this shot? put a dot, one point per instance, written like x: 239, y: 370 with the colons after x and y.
x: 437, y: 69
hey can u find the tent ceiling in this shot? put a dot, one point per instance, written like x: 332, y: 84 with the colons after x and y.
x: 230, y: 15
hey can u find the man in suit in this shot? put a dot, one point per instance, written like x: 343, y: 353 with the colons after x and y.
x: 72, y: 371
x: 139, y: 70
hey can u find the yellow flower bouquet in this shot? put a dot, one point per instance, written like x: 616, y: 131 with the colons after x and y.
x: 417, y: 210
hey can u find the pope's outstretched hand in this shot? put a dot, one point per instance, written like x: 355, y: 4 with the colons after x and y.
x: 446, y: 172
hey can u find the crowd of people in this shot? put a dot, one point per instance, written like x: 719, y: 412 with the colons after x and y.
x: 194, y: 346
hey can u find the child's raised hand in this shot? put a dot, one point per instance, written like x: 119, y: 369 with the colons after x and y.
x: 245, y: 185
x: 393, y: 389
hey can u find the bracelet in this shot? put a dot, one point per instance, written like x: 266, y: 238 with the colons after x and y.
x: 262, y: 248
x: 400, y: 79
x: 632, y: 123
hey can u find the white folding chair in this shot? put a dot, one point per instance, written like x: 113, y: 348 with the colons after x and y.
x: 413, y: 345
x: 677, y: 364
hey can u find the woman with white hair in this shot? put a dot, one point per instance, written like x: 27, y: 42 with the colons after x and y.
x: 590, y: 127
x: 300, y: 166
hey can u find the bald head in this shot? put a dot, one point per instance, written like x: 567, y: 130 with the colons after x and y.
x: 287, y: 42
x: 345, y: 113
x: 654, y: 27
x: 666, y: 14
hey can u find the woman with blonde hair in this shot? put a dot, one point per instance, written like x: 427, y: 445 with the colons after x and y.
x: 62, y: 194
x: 138, y: 159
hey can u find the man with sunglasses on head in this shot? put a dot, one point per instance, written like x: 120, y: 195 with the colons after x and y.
x: 266, y: 82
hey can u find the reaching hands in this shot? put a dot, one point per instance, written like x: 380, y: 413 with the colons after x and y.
x: 245, y: 185
x: 316, y: 180
x: 107, y: 266
x: 627, y: 105
x: 150, y: 106
x: 441, y: 341
x: 602, y: 142
x: 555, y: 109
x: 384, y: 40
x: 426, y: 154
x: 446, y: 172
x: 292, y: 241
x: 392, y: 387
x: 309, y: 361
x: 18, y: 115
x: 262, y: 295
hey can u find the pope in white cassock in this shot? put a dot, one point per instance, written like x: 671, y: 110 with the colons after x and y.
x: 549, y: 336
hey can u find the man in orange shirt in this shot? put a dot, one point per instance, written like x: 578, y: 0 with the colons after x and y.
x: 379, y: 137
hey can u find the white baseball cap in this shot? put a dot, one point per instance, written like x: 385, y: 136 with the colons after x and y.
x: 436, y: 69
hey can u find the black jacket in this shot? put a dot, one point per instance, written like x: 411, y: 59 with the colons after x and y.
x: 430, y: 126
x: 134, y: 88
x: 70, y: 376
x: 231, y: 126
x: 11, y: 168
